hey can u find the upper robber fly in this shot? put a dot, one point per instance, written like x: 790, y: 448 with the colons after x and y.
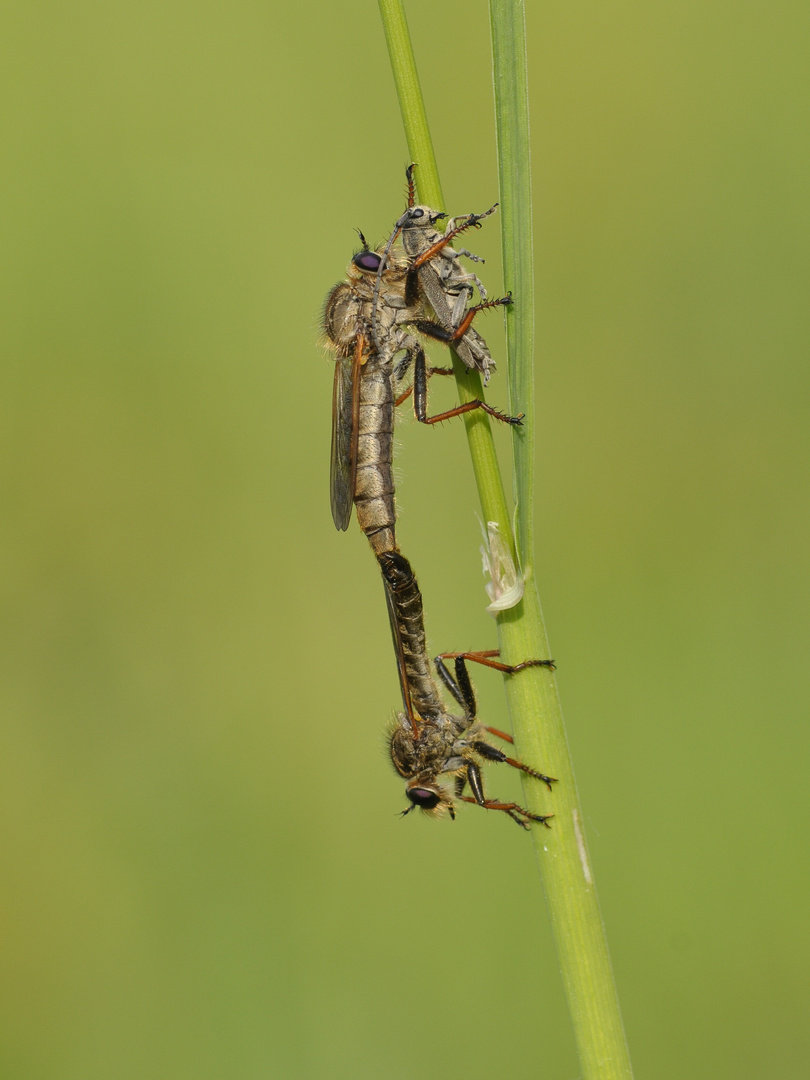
x: 366, y: 381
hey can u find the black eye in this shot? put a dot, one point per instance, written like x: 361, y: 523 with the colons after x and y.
x: 423, y: 797
x: 367, y: 260
x: 418, y: 213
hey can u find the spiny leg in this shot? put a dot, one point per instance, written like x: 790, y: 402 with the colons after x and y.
x: 470, y: 406
x: 420, y: 380
x: 494, y: 753
x: 450, y: 334
x: 462, y: 690
x: 501, y: 734
x: 411, y: 184
x: 483, y: 657
x: 516, y: 813
x: 466, y: 322
x: 422, y: 372
x: 453, y: 230
x: 461, y: 687
x: 415, y: 355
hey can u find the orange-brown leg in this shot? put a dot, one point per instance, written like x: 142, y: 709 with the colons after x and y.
x: 483, y: 657
x: 515, y: 812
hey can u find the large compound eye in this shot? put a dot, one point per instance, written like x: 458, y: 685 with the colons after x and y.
x: 423, y: 797
x: 367, y: 260
x: 417, y: 213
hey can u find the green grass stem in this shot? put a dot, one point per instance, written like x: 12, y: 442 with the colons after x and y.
x: 532, y: 695
x: 534, y: 703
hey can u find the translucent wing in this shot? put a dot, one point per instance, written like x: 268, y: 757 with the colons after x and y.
x: 345, y: 413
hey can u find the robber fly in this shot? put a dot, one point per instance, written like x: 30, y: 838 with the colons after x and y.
x: 427, y: 743
x: 436, y: 280
x: 366, y: 380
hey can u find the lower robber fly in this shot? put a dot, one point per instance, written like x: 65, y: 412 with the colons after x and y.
x: 427, y: 743
x: 366, y: 380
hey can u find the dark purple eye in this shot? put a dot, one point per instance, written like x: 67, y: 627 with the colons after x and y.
x: 367, y: 260
x: 423, y: 797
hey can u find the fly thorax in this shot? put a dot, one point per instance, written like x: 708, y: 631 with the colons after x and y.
x: 340, y: 316
x: 401, y: 746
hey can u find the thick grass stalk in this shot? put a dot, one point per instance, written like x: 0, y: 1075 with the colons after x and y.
x: 533, y: 700
x: 534, y: 704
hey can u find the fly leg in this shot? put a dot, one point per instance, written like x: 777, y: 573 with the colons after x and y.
x: 448, y: 335
x: 455, y: 281
x: 422, y: 372
x: 451, y: 232
x: 454, y: 328
x: 484, y: 657
x: 461, y: 284
x: 430, y: 372
x: 401, y: 370
x: 420, y: 381
x: 462, y: 690
x: 513, y: 810
x: 461, y: 687
x: 493, y: 753
x: 411, y: 184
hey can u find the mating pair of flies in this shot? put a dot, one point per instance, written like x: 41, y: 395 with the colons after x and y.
x: 391, y: 294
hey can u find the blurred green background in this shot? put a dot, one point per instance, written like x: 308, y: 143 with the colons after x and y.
x: 203, y: 871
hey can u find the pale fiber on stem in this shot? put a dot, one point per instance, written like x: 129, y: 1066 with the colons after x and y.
x: 533, y: 700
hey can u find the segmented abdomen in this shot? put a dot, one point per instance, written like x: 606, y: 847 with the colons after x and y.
x: 374, y: 483
x: 408, y: 627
